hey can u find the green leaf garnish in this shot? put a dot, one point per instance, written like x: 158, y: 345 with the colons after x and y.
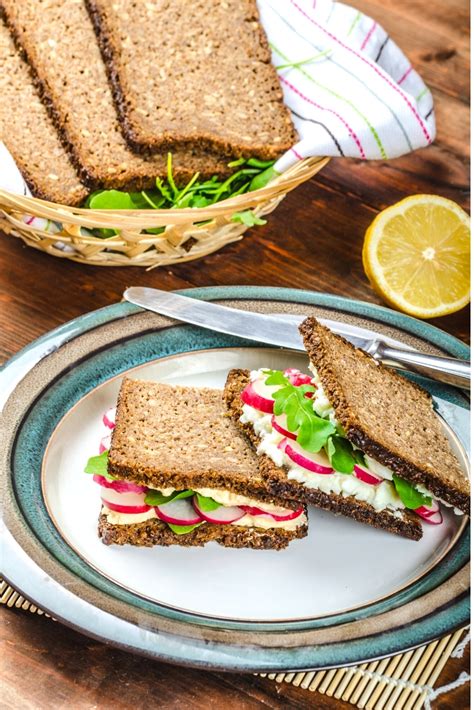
x: 248, y: 218
x: 410, y: 497
x: 341, y: 454
x: 313, y: 431
x: 183, y: 529
x: 167, y: 194
x: 97, y: 466
x: 154, y: 498
x: 206, y: 504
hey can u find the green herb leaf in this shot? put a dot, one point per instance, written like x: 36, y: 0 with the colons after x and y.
x: 157, y: 498
x: 206, y: 504
x: 341, y: 454
x: 410, y: 497
x: 97, y: 465
x: 248, y: 218
x: 263, y: 178
x: 313, y: 431
x: 183, y: 529
x: 110, y: 200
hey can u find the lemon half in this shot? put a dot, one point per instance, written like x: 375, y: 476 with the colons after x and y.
x: 417, y: 256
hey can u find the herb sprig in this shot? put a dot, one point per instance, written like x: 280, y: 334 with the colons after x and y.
x: 250, y: 174
x: 410, y: 497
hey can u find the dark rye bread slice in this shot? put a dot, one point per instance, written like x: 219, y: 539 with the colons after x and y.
x: 386, y: 415
x: 29, y: 135
x: 154, y: 532
x: 195, y: 73
x: 408, y: 525
x: 59, y: 43
x: 180, y: 437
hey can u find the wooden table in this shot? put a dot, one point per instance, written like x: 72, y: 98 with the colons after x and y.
x: 313, y: 241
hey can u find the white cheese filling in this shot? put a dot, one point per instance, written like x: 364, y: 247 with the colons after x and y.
x: 248, y: 521
x: 380, y: 497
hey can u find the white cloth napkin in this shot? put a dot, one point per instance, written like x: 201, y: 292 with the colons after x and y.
x: 351, y: 90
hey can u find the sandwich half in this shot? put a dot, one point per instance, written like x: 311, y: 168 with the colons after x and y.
x: 178, y: 472
x: 354, y: 438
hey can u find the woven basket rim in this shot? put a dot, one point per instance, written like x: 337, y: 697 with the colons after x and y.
x: 136, y: 218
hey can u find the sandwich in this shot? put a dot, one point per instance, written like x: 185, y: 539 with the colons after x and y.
x: 176, y: 471
x: 354, y: 437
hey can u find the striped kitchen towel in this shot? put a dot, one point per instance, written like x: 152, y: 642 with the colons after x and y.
x: 351, y: 90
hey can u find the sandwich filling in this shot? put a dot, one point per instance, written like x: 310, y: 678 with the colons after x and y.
x: 126, y: 503
x: 299, y: 431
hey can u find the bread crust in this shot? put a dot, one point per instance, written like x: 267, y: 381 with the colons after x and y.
x: 408, y: 525
x: 430, y: 461
x: 155, y: 532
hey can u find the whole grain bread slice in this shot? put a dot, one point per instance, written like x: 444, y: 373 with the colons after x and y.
x: 29, y: 135
x: 154, y: 532
x: 180, y: 437
x: 60, y: 45
x: 387, y: 416
x: 195, y: 73
x: 404, y: 523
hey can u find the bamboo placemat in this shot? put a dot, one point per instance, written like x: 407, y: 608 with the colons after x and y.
x: 403, y: 682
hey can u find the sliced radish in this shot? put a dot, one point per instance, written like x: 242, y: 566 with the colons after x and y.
x: 109, y: 417
x: 124, y: 502
x: 104, y: 443
x: 431, y: 514
x: 284, y: 515
x: 314, y: 462
x: 222, y: 515
x: 259, y: 395
x: 296, y: 377
x: 280, y: 425
x: 363, y: 474
x: 119, y: 486
x: 178, y: 512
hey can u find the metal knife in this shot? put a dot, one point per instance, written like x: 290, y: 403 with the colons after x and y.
x: 283, y: 331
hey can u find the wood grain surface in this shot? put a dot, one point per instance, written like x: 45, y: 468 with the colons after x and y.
x: 312, y: 241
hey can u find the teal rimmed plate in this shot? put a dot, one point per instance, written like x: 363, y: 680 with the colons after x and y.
x: 346, y: 594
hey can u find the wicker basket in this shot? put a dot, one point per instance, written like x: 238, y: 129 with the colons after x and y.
x: 188, y: 233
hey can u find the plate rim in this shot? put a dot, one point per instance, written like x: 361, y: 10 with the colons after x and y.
x: 107, y: 314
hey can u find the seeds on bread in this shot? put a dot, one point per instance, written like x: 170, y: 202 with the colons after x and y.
x: 405, y: 523
x: 386, y: 415
x: 196, y: 73
x: 29, y: 135
x: 59, y: 43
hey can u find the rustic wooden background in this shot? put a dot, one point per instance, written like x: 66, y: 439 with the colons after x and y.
x: 312, y: 241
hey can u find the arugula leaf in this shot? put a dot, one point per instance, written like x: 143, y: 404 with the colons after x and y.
x: 110, y: 200
x: 341, y: 454
x: 313, y: 431
x: 248, y: 218
x: 157, y: 498
x: 183, y: 529
x: 206, y: 504
x: 410, y: 497
x: 263, y: 178
x: 97, y: 465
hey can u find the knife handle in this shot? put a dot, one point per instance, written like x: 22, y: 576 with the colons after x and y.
x: 444, y: 369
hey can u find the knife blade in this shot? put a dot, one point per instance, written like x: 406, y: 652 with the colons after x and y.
x: 283, y: 332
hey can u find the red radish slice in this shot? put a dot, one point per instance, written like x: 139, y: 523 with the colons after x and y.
x: 280, y: 425
x: 104, y: 444
x: 363, y: 474
x: 279, y: 517
x: 109, y: 417
x: 119, y: 486
x: 259, y: 396
x: 296, y: 377
x: 220, y: 516
x: 431, y: 514
x: 178, y: 512
x: 314, y: 462
x: 124, y: 502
